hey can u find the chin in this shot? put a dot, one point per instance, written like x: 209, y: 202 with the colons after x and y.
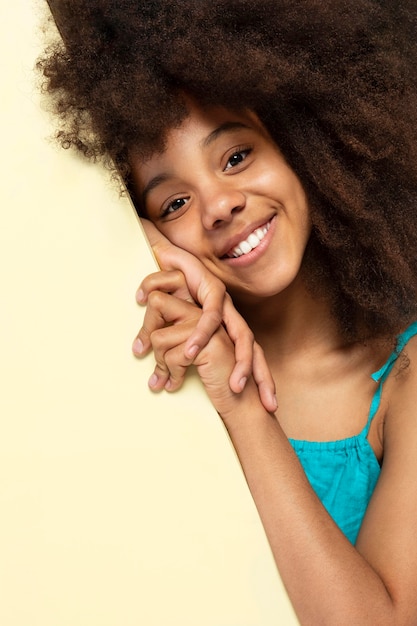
x: 260, y: 292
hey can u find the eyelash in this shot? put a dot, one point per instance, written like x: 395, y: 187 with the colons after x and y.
x: 242, y: 150
x: 167, y: 210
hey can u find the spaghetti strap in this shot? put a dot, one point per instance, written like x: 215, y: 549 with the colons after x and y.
x: 382, y: 374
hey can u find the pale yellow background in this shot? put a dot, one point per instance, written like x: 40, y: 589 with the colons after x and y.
x: 117, y: 507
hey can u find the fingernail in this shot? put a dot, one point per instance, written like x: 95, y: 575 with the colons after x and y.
x: 168, y: 385
x: 275, y: 402
x: 153, y: 381
x: 137, y: 346
x: 140, y: 296
x: 191, y: 352
x: 242, y: 383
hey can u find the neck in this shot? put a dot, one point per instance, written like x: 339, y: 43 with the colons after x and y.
x: 292, y: 321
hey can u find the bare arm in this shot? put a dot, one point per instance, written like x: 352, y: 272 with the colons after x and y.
x: 328, y: 580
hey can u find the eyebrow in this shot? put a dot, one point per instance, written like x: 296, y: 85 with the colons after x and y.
x: 223, y: 128
x: 154, y: 182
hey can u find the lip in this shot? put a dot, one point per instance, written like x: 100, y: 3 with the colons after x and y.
x: 234, y: 241
x: 251, y: 256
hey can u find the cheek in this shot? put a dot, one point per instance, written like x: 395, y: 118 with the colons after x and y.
x: 276, y: 179
x: 184, y: 235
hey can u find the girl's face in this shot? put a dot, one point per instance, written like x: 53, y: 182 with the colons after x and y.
x: 223, y: 191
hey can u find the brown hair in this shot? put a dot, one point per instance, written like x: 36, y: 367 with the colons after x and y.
x: 334, y: 83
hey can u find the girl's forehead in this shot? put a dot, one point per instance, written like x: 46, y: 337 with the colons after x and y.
x: 204, y: 118
x: 202, y: 127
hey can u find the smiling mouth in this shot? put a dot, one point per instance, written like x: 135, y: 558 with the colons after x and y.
x: 249, y: 244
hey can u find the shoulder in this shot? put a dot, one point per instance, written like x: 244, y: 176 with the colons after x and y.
x: 402, y: 382
x: 399, y: 465
x: 401, y: 396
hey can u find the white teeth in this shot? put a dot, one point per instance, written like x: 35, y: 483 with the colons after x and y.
x: 253, y: 240
x: 250, y: 243
x: 245, y: 246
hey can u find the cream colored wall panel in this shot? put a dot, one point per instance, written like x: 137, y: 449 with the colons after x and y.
x: 117, y: 507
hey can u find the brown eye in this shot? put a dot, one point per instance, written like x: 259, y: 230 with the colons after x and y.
x: 173, y: 206
x: 237, y: 158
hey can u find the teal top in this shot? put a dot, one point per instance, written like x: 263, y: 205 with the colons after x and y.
x: 344, y: 473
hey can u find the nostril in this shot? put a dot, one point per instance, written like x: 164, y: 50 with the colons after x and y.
x: 219, y: 221
x: 219, y: 206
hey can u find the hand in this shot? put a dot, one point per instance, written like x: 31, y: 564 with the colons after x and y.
x: 173, y: 320
x: 151, y: 292
x: 168, y: 322
x: 217, y: 308
x: 173, y: 283
x: 203, y: 287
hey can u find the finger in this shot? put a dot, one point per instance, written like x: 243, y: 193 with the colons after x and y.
x: 163, y: 309
x: 204, y: 287
x: 169, y: 337
x: 244, y: 360
x: 168, y: 322
x: 168, y: 379
x: 159, y: 243
x: 172, y: 282
x: 210, y: 294
x: 178, y: 366
x: 171, y: 363
x: 242, y: 336
x: 153, y: 319
x: 264, y: 380
x: 141, y: 347
x: 208, y: 323
x: 159, y: 378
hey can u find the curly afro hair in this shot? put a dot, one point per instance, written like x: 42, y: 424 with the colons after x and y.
x: 333, y: 82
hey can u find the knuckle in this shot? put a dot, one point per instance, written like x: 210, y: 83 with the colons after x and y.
x: 160, y: 364
x: 155, y: 299
x: 145, y: 333
x: 172, y: 363
x: 175, y: 381
x: 178, y: 277
x: 250, y: 337
x: 157, y: 340
x: 213, y: 320
x: 217, y: 317
x: 161, y: 372
x: 149, y: 281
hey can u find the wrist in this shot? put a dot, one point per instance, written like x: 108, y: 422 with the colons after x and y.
x: 239, y: 408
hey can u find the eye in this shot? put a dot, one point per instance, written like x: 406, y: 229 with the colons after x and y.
x: 237, y: 158
x: 173, y: 206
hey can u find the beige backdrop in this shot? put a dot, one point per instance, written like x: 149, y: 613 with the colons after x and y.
x: 117, y: 507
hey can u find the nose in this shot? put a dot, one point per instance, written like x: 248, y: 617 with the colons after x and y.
x: 219, y: 204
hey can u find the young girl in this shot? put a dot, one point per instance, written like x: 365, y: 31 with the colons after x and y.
x: 273, y: 147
